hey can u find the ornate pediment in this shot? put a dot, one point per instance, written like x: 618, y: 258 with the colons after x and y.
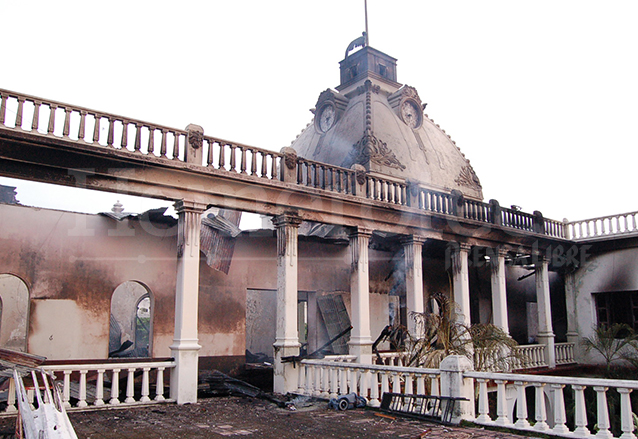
x: 369, y: 149
x: 467, y: 177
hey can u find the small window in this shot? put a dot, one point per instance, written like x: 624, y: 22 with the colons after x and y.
x: 617, y: 307
x: 383, y: 70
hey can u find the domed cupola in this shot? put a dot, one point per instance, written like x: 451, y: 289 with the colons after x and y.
x: 372, y: 120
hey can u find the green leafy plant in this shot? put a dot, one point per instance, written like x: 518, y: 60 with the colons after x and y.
x: 613, y: 343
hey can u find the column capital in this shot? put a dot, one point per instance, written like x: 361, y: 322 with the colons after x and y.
x: 359, y: 231
x: 412, y: 239
x: 189, y: 206
x: 459, y: 246
x: 287, y: 219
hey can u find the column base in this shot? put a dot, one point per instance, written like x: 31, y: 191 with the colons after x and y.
x: 362, y: 349
x: 285, y: 375
x: 184, y: 375
x: 550, y: 351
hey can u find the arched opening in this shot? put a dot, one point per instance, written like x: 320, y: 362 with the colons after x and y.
x: 14, y: 313
x: 131, y: 331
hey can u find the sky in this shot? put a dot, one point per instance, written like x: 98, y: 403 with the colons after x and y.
x: 540, y: 96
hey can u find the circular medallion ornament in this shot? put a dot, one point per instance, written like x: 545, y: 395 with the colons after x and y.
x: 327, y: 117
x: 411, y: 114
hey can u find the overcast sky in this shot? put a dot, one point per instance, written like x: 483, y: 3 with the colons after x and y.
x: 541, y: 96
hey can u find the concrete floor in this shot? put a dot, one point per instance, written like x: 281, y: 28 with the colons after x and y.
x: 238, y: 416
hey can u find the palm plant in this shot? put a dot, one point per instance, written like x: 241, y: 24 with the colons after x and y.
x: 613, y: 343
x: 442, y: 333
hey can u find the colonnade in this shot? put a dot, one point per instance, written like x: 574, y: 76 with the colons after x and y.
x: 185, y: 344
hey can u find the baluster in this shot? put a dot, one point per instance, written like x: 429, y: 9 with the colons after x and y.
x: 253, y: 162
x: 99, y: 388
x: 420, y: 385
x: 138, y: 138
x: 317, y: 379
x: 96, y: 127
x: 159, y: 385
x: 603, y: 413
x: 273, y: 169
x: 163, y: 143
x: 334, y: 384
x: 233, y: 159
x: 483, y: 406
x: 559, y: 410
x: 36, y: 115
x: 82, y: 127
x: 409, y: 387
x: 301, y: 381
x: 222, y: 156
x: 67, y: 122
x: 11, y: 395
x: 151, y: 141
x: 521, y: 406
x: 343, y: 381
x: 51, y: 127
x: 264, y: 164
x: 19, y: 113
x: 243, y: 152
x: 385, y: 383
x: 115, y: 387
x: 3, y: 108
x: 626, y: 418
x: 124, y: 142
x: 501, y: 404
x: 176, y: 146
x: 434, y: 385
x: 145, y: 385
x: 396, y: 383
x: 541, y: 412
x: 364, y: 379
x: 580, y: 416
x: 66, y: 389
x: 325, y: 382
x: 111, y: 133
x: 130, y: 386
x: 374, y: 389
x: 82, y: 396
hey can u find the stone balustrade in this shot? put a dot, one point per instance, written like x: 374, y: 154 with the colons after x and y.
x: 328, y: 379
x: 602, y: 227
x: 125, y: 135
x: 532, y: 356
x: 564, y: 353
x: 549, y: 399
x: 95, y: 385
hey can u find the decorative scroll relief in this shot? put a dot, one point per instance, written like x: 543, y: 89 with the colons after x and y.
x: 467, y: 177
x: 370, y: 149
x: 287, y: 234
x: 359, y: 241
x: 188, y: 228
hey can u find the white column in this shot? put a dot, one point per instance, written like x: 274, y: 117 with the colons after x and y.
x: 185, y: 345
x: 499, y: 291
x: 545, y: 330
x: 286, y: 336
x: 412, y: 247
x: 461, y: 282
x: 570, y: 302
x: 360, y: 340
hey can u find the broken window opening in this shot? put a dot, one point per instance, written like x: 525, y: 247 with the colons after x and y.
x: 617, y: 307
x: 14, y: 312
x: 131, y: 331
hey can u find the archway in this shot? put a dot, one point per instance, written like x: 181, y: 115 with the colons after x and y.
x: 131, y: 331
x: 14, y: 312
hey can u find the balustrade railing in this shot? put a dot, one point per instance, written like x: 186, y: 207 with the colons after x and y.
x: 399, y: 359
x: 564, y: 353
x: 70, y: 122
x: 511, y: 392
x: 328, y: 379
x: 530, y: 356
x: 108, y: 384
x: 604, y: 226
x: 90, y: 127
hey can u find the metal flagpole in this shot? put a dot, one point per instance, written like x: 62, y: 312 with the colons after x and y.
x: 367, y: 39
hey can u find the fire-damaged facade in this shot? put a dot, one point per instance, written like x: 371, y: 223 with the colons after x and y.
x: 370, y: 211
